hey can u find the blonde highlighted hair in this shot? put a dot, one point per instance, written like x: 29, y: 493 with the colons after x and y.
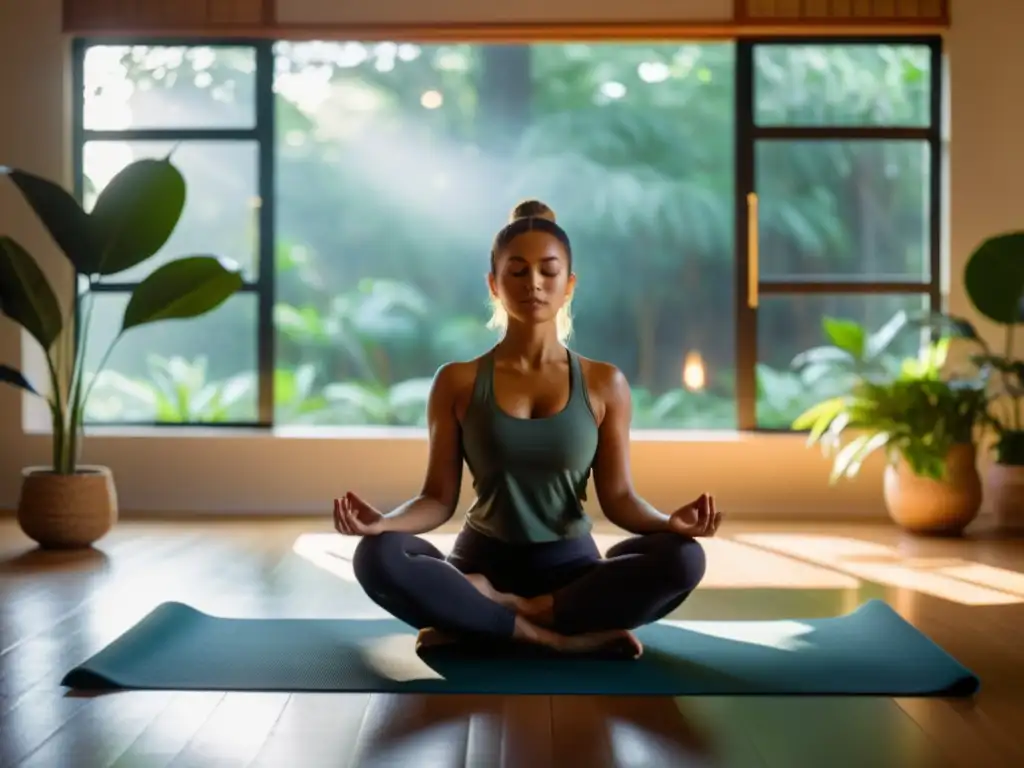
x: 526, y: 216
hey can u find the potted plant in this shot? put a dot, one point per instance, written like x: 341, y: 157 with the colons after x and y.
x: 994, y: 282
x: 925, y: 424
x: 68, y: 504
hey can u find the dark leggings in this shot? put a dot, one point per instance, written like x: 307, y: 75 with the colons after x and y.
x: 639, y: 581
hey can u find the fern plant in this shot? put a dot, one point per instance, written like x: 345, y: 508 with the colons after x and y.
x: 911, y: 412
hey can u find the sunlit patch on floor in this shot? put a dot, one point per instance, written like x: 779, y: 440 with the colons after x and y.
x: 394, y: 657
x: 328, y: 551
x: 985, y: 575
x: 953, y: 579
x: 781, y: 635
x: 632, y: 744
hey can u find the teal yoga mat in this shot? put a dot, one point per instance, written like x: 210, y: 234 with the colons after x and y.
x: 870, y: 651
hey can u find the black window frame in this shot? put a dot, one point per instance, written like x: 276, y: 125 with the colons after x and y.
x: 747, y: 134
x: 262, y: 134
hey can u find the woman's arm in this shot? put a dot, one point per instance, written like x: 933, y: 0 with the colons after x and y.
x: 439, y: 496
x: 612, y: 477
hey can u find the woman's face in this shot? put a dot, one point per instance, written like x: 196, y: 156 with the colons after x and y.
x: 532, y: 278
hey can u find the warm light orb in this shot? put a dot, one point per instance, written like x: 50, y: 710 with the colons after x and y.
x: 693, y: 372
x: 431, y: 99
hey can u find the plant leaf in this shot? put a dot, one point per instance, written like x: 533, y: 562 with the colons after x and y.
x: 879, y: 341
x: 945, y: 325
x: 818, y: 416
x: 822, y: 355
x: 1000, y: 363
x: 10, y: 376
x: 26, y: 295
x: 845, y: 334
x: 994, y: 277
x: 61, y: 215
x: 850, y: 459
x: 962, y: 328
x: 136, y: 213
x: 182, y: 289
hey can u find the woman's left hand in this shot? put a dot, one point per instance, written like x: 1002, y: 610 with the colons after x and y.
x: 698, y: 518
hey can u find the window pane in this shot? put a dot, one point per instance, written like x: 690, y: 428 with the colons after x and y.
x: 842, y: 85
x: 201, y: 370
x: 844, y: 209
x: 221, y: 205
x: 398, y: 163
x: 142, y: 86
x: 791, y: 324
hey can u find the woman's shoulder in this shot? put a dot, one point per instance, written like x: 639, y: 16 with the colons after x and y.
x: 457, y: 376
x: 604, y: 380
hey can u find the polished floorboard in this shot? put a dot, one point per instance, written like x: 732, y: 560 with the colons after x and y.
x: 57, y: 609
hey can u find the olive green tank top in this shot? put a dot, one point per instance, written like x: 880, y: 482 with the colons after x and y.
x: 530, y: 475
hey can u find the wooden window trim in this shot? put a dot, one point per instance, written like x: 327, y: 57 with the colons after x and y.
x: 206, y: 18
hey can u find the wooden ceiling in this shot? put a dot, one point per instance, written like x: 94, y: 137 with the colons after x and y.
x: 259, y: 18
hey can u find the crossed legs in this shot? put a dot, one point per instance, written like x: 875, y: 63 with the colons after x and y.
x: 410, y: 578
x: 639, y: 581
x: 585, y: 607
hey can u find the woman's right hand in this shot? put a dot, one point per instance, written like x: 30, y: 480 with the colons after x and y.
x: 698, y: 518
x: 354, y: 517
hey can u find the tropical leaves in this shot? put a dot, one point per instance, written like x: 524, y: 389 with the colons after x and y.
x: 132, y: 220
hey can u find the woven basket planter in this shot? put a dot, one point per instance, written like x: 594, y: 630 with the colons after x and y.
x: 67, y: 511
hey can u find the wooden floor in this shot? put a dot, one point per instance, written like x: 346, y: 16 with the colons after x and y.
x: 55, y: 610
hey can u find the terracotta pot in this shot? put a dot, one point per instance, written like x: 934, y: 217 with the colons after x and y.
x: 1004, y: 489
x: 936, y: 507
x: 67, y: 511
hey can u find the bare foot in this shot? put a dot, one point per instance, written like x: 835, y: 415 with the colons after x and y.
x: 611, y: 644
x: 430, y: 638
x: 616, y: 643
x: 540, y: 610
x: 485, y: 588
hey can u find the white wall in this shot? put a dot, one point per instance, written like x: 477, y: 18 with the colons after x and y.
x: 758, y: 475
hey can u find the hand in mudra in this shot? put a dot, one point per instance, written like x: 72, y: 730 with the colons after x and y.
x: 698, y: 518
x: 355, y: 517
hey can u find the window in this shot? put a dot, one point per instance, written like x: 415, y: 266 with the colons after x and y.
x: 360, y: 185
x: 841, y: 150
x: 202, y: 103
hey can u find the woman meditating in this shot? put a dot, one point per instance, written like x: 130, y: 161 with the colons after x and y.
x: 531, y: 419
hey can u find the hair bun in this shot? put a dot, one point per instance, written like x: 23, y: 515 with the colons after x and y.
x: 528, y: 209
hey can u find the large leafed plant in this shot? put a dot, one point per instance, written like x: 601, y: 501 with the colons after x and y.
x: 994, y: 282
x: 131, y: 221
